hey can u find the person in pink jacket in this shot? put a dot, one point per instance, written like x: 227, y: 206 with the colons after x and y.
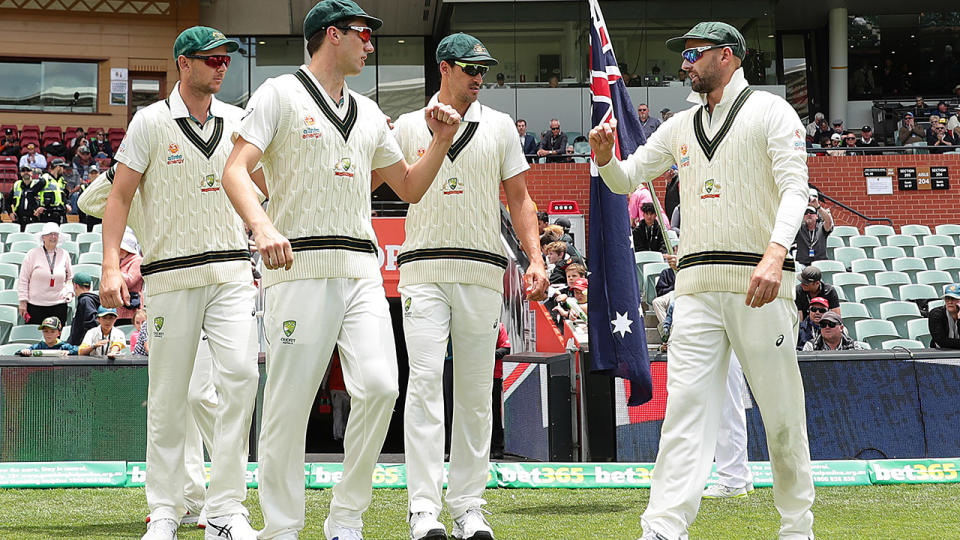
x: 130, y: 260
x: 44, y: 287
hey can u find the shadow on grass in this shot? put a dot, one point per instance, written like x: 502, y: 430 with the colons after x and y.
x: 133, y: 529
x: 566, y: 510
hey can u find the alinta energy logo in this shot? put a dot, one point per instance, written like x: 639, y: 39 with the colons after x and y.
x: 310, y: 132
x: 289, y: 327
x: 175, y: 157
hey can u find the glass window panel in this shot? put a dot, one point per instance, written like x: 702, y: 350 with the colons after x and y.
x: 20, y: 85
x: 49, y: 86
x: 235, y: 89
x: 400, y: 75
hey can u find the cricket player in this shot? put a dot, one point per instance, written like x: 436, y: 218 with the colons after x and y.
x: 743, y: 183
x: 451, y: 284
x: 197, y: 270
x: 319, y: 144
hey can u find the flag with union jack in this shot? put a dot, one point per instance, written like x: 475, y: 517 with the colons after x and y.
x: 618, y: 341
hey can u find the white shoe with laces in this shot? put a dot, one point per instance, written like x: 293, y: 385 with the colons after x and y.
x: 720, y: 491
x: 161, y: 529
x: 229, y: 527
x: 333, y: 531
x: 424, y: 526
x: 472, y: 526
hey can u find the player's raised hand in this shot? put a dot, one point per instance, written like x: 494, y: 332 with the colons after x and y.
x: 602, y: 139
x: 274, y: 248
x: 443, y: 120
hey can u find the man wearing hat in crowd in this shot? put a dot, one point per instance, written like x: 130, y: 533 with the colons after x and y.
x: 53, y: 207
x: 50, y: 327
x: 866, y: 140
x: 810, y: 325
x: 10, y: 144
x: 812, y: 286
x: 453, y: 285
x: 88, y: 302
x: 197, y: 268
x: 25, y: 196
x: 940, y: 137
x: 744, y: 193
x: 83, y: 160
x: 909, y: 131
x: 944, y: 321
x: 817, y: 225
x: 316, y: 136
x: 105, y: 339
x: 832, y: 338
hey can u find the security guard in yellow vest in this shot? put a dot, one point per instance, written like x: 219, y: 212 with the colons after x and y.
x: 26, y: 196
x: 52, y: 207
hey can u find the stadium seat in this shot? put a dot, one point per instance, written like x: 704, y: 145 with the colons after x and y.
x: 929, y: 254
x: 25, y: 333
x: 880, y: 231
x: 887, y: 254
x: 73, y: 230
x: 644, y: 257
x: 938, y: 240
x: 93, y: 270
x: 9, y: 298
x: 934, y: 304
x: 9, y: 317
x: 9, y: 274
x: 22, y: 237
x: 919, y: 329
x: 851, y: 312
x: 910, y: 265
x: 11, y: 349
x: 949, y: 264
x: 96, y: 247
x: 843, y: 232
x: 98, y: 228
x: 848, y: 281
x: 127, y: 329
x: 874, y: 332
x: 23, y: 246
x: 915, y: 230
x: 899, y: 313
x: 893, y: 281
x: 904, y: 241
x: 15, y: 259
x: 91, y: 258
x: 828, y: 269
x: 651, y: 271
x: 72, y: 248
x: 6, y: 229
x: 87, y: 238
x: 33, y: 228
x: 872, y: 296
x: 920, y: 147
x: 866, y: 243
x: 847, y: 255
x: 833, y: 244
x: 935, y: 278
x: 919, y: 292
x: 905, y: 343
x: 949, y: 229
x: 869, y: 268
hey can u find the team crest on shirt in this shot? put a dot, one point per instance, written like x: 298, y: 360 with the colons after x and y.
x: 343, y: 167
x: 710, y: 189
x: 684, y: 158
x: 310, y: 132
x: 157, y: 327
x: 453, y: 186
x: 175, y: 157
x: 209, y: 182
x: 289, y: 327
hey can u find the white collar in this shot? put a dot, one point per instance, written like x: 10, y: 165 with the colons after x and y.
x: 730, y: 92
x: 473, y: 111
x: 336, y: 104
x: 178, y: 109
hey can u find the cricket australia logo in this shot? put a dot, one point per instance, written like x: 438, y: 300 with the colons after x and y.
x: 453, y: 186
x: 175, y: 157
x: 289, y: 327
x: 343, y: 168
x: 310, y: 132
x: 406, y: 306
x: 209, y: 182
x: 710, y: 189
x: 157, y: 327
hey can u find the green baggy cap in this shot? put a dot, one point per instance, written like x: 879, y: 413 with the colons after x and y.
x: 464, y: 47
x: 201, y: 38
x: 327, y: 12
x: 716, y: 32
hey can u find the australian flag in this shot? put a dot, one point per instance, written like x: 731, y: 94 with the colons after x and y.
x: 618, y: 341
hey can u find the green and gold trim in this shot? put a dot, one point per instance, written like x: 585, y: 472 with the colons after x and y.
x: 462, y: 141
x: 208, y: 147
x: 347, y: 243
x: 709, y: 146
x: 452, y: 253
x: 190, y: 261
x: 344, y: 126
x: 736, y: 258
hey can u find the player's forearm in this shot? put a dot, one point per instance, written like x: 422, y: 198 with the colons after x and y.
x: 238, y: 185
x: 421, y: 174
x: 114, y: 224
x: 523, y: 213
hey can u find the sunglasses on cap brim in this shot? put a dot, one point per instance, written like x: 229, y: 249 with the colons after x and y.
x: 695, y: 53
x: 212, y: 60
x: 472, y: 69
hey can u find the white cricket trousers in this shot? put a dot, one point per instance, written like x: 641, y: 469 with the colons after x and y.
x: 706, y: 327
x: 731, y: 452
x: 202, y: 402
x: 469, y: 315
x: 224, y: 312
x: 303, y: 321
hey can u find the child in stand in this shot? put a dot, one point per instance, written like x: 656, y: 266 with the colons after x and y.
x: 51, y: 339
x: 104, y: 339
x: 139, y: 318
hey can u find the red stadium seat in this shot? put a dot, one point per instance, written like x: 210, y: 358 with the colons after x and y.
x: 91, y: 130
x: 53, y: 129
x: 27, y: 129
x: 8, y: 159
x: 113, y: 131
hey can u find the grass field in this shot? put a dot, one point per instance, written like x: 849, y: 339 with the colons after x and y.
x: 868, y: 512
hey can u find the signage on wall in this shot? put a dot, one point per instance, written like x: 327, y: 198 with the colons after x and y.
x: 879, y: 180
x: 922, y: 178
x: 118, y: 86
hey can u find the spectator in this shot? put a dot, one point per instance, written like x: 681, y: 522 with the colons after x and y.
x: 543, y: 220
x: 944, y: 321
x: 503, y: 349
x: 671, y: 193
x: 664, y: 114
x: 636, y: 199
x: 573, y: 272
x: 647, y: 124
x: 98, y: 144
x: 850, y: 144
x: 553, y: 81
x: 665, y: 285
x: 647, y: 235
x: 138, y: 319
x: 56, y: 149
x: 956, y: 93
x: 10, y: 145
x: 501, y: 82
x: 572, y: 251
x: 78, y: 140
x: 88, y: 303
x: 817, y: 127
x: 953, y: 124
x: 832, y: 337
x: 25, y: 196
x: 104, y: 339
x: 866, y: 140
x: 527, y: 143
x: 934, y: 120
x: 940, y: 138
x: 553, y: 143
x: 52, y: 207
x: 834, y: 147
x: 838, y: 126
x: 83, y: 160
x: 142, y: 348
x: 920, y: 108
x: 44, y: 274
x: 943, y: 110
x: 811, y: 239
x: 33, y: 159
x: 76, y: 188
x: 683, y: 78
x: 810, y: 287
x: 130, y: 261
x: 810, y: 326
x: 574, y: 309
x: 909, y: 131
x: 51, y: 339
x: 557, y: 261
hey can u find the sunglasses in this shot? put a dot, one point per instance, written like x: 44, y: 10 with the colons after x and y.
x: 212, y: 60
x: 818, y: 310
x: 695, y: 53
x: 472, y: 69
x: 555, y: 129
x: 829, y: 324
x: 365, y: 32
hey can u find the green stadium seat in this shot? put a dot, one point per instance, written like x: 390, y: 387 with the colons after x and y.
x: 910, y: 265
x: 919, y: 292
x: 832, y: 245
x: 23, y: 246
x: 22, y: 237
x: 9, y: 298
x: 899, y: 313
x: 929, y: 254
x: 880, y: 231
x: 920, y: 147
x: 34, y: 228
x: 9, y: 317
x: 847, y: 255
x: 93, y: 270
x: 96, y: 247
x: 915, y: 230
x: 949, y: 229
x: 904, y: 241
x: 644, y: 257
x: 73, y: 230
x: 7, y: 229
x: 73, y: 249
x: 904, y: 343
x: 875, y: 331
x: 127, y: 330
x: 98, y: 228
x: 938, y: 240
x: 934, y: 303
x: 887, y: 254
x: 91, y: 258
x: 872, y: 296
x: 843, y: 232
x: 85, y: 239
x: 869, y: 268
x: 828, y: 268
x: 25, y: 333
x: 935, y: 278
x: 851, y: 312
x: 949, y: 264
x: 848, y: 281
x: 919, y: 329
x: 651, y: 271
x: 893, y: 281
x: 9, y: 273
x: 15, y: 258
x: 11, y: 349
x: 866, y: 243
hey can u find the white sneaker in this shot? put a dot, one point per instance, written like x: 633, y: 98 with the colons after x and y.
x: 229, y: 527
x: 424, y: 526
x: 472, y: 526
x: 333, y: 531
x: 720, y: 491
x: 161, y: 529
x: 192, y: 517
x: 652, y: 535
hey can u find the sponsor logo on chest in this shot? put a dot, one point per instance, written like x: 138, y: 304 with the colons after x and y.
x: 684, y: 158
x: 310, y: 132
x: 174, y: 157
